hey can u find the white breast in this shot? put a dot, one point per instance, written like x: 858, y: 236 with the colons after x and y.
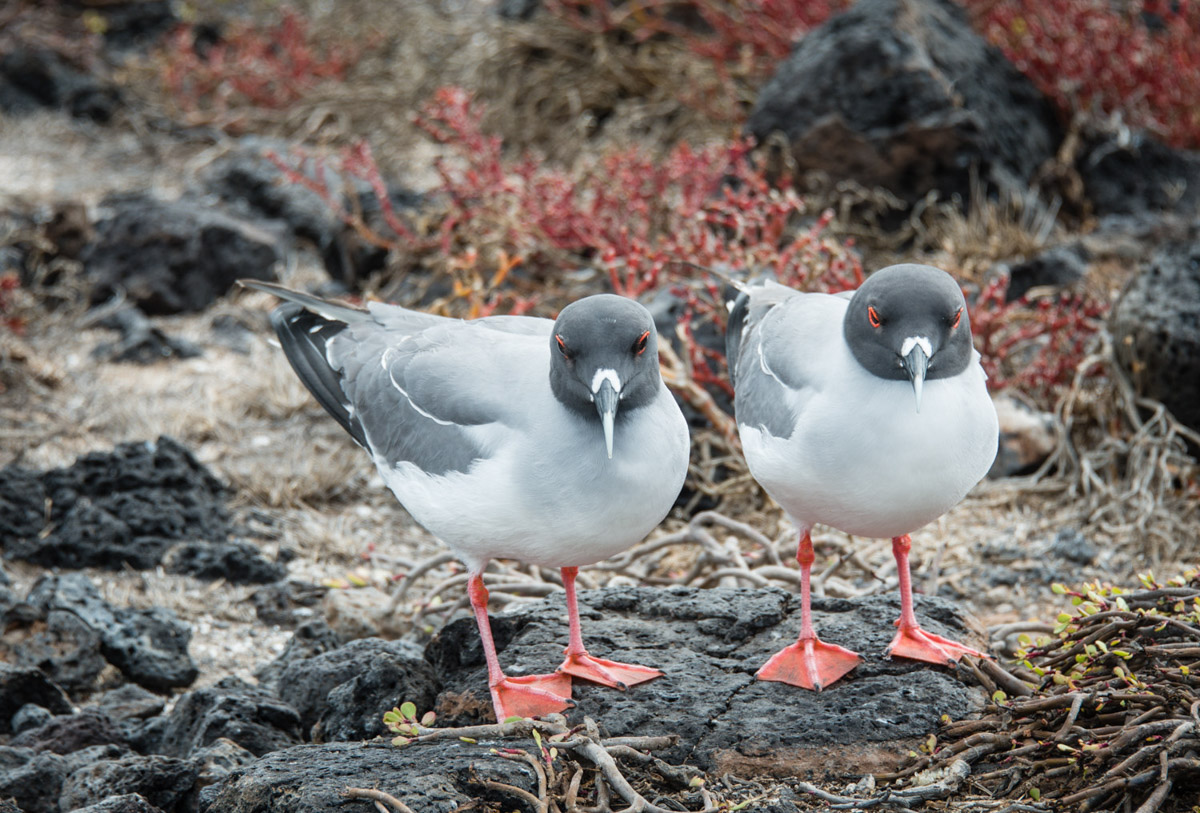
x: 863, y: 460
x: 552, y: 497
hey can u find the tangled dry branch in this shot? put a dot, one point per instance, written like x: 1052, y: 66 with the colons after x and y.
x: 1112, y: 716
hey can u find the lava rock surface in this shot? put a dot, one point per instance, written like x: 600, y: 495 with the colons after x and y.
x: 709, y: 643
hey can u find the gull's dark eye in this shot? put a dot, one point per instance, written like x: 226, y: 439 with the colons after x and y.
x: 873, y: 317
x: 957, y: 319
x: 639, y: 346
x: 562, y: 347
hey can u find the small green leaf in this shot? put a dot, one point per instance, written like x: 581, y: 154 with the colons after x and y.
x: 696, y: 782
x: 428, y: 718
x: 1035, y: 794
x: 999, y: 697
x: 399, y: 741
x: 1058, y: 589
x: 537, y: 737
x: 471, y: 740
x: 516, y: 718
x: 408, y: 710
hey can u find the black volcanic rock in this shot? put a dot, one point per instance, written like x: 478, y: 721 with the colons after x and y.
x: 710, y: 643
x: 22, y: 685
x: 348, y: 689
x: 232, y: 710
x: 150, y: 647
x: 128, y: 508
x: 904, y: 94
x: 433, y: 777
x: 174, y: 256
x: 1156, y: 330
x: 162, y: 781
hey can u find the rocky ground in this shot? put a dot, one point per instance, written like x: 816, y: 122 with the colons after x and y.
x: 210, y: 601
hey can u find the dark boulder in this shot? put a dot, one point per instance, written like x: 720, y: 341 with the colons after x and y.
x: 232, y: 710
x: 60, y: 644
x: 125, y: 803
x: 22, y: 685
x: 433, y: 777
x: 349, y: 689
x: 69, y: 733
x: 31, y: 778
x: 1056, y: 267
x: 162, y: 781
x: 1156, y: 331
x: 33, y: 78
x: 1133, y: 173
x: 150, y: 648
x: 236, y: 561
x: 174, y: 256
x: 310, y: 639
x: 113, y: 509
x: 904, y: 94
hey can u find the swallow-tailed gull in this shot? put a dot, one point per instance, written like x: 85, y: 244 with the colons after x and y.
x: 551, y: 442
x: 865, y: 411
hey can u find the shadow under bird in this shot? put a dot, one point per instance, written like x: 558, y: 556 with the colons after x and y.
x: 552, y: 442
x: 868, y: 412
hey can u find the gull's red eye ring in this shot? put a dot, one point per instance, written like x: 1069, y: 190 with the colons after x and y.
x: 873, y: 317
x: 957, y: 319
x: 562, y: 347
x: 639, y: 346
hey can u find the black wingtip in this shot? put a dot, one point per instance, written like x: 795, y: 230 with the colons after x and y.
x: 733, y: 332
x: 303, y: 336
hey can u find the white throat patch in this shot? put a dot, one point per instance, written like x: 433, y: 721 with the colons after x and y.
x: 916, y: 341
x: 606, y: 374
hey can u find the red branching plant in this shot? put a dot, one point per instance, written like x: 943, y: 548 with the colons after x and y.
x: 1095, y: 55
x: 743, y: 37
x: 265, y: 67
x: 9, y: 282
x: 1034, y: 347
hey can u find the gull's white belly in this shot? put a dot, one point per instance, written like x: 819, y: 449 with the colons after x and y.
x: 554, y: 498
x: 864, y: 461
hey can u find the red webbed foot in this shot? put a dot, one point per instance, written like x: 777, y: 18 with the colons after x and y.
x: 919, y: 645
x: 810, y: 663
x: 531, y: 696
x: 607, y: 673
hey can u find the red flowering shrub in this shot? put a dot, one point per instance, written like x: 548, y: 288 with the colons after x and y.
x: 1140, y: 58
x: 1034, y: 347
x: 9, y: 282
x: 266, y: 67
x: 1095, y: 55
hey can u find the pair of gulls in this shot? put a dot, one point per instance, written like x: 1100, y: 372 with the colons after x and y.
x: 557, y: 443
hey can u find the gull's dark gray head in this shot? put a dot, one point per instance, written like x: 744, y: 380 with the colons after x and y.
x: 604, y: 355
x: 909, y: 322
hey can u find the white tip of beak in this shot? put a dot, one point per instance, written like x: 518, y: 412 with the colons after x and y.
x: 918, y: 385
x: 607, y: 420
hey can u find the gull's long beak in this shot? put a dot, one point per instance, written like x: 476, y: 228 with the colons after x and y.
x: 606, y: 398
x: 916, y: 362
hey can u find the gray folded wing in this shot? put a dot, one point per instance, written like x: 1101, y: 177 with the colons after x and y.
x: 763, y: 358
x: 411, y: 387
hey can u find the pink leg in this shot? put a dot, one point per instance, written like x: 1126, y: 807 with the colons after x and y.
x: 580, y: 664
x: 911, y: 641
x: 810, y: 663
x: 525, y: 696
